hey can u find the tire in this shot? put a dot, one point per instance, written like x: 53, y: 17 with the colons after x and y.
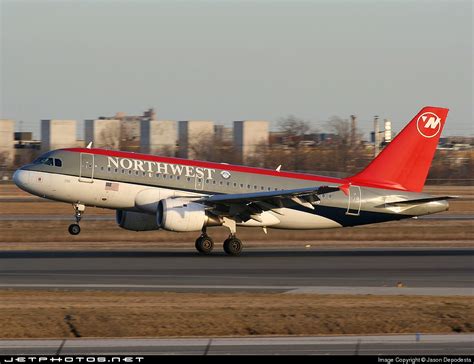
x: 74, y: 229
x: 204, y: 245
x: 233, y: 246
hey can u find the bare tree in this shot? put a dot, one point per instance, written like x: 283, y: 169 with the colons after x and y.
x: 347, y: 150
x: 295, y: 131
x: 109, y: 138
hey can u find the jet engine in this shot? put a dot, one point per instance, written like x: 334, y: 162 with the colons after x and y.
x: 136, y: 221
x: 183, y: 215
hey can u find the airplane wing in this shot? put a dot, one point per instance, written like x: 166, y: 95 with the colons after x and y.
x: 246, y: 206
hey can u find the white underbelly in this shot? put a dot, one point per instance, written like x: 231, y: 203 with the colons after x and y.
x: 294, y: 219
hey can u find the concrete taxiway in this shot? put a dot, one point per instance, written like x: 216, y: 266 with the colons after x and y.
x: 364, y: 271
x: 342, y: 345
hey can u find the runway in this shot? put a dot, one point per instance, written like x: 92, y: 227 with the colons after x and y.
x: 361, y: 271
x: 340, y: 345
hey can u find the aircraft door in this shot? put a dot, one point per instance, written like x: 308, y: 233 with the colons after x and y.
x: 355, y: 201
x: 199, y: 183
x: 86, y: 169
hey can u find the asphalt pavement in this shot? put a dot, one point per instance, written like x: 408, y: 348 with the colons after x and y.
x: 390, y: 270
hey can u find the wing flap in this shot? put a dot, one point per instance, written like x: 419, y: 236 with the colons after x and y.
x: 246, y: 206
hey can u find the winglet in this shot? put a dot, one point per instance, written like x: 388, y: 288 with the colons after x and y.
x: 278, y: 168
x: 89, y: 146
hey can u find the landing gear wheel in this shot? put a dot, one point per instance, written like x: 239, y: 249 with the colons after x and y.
x: 79, y: 208
x: 233, y: 246
x: 204, y: 244
x: 74, y: 229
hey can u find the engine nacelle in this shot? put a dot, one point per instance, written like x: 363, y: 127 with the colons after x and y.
x: 136, y: 221
x: 183, y: 215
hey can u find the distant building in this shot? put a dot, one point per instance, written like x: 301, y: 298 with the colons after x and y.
x: 248, y: 135
x: 26, y: 149
x: 103, y: 133
x: 7, y: 130
x: 192, y: 135
x: 158, y: 137
x: 130, y: 128
x: 56, y: 134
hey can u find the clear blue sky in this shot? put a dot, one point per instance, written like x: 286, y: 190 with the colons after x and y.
x: 234, y: 60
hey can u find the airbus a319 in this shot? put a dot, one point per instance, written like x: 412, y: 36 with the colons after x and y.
x: 151, y: 192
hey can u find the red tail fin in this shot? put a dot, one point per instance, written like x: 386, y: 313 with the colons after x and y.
x: 405, y: 162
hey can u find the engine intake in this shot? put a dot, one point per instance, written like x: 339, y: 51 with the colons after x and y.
x: 136, y: 221
x: 183, y: 215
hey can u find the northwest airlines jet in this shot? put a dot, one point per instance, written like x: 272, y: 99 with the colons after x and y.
x: 150, y: 192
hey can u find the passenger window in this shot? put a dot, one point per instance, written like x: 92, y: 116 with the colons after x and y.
x: 58, y: 163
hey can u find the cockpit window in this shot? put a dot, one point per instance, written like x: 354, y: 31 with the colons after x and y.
x: 49, y: 161
x: 40, y: 160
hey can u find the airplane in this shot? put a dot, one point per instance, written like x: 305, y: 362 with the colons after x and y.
x: 152, y: 192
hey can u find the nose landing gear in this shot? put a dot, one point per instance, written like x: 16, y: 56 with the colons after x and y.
x: 75, y: 229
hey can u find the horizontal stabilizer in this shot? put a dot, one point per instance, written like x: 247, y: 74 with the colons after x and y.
x: 417, y: 201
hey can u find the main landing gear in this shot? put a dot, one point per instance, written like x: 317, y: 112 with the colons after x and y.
x: 232, y: 245
x: 75, y: 229
x: 204, y: 244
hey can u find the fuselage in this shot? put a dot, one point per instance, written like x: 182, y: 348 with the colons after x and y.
x: 137, y: 182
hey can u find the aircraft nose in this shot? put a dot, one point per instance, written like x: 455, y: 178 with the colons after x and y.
x: 20, y: 178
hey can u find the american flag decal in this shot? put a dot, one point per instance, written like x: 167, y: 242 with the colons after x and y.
x: 111, y: 186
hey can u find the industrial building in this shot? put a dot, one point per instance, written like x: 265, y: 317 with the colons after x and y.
x: 7, y: 130
x: 192, y: 135
x: 103, y: 133
x: 158, y: 137
x: 248, y: 135
x: 56, y: 134
x: 130, y: 128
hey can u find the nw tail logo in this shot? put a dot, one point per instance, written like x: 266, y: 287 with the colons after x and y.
x: 428, y: 124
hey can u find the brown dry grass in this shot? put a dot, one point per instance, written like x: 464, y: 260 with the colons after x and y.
x: 32, y: 314
x: 35, y: 232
